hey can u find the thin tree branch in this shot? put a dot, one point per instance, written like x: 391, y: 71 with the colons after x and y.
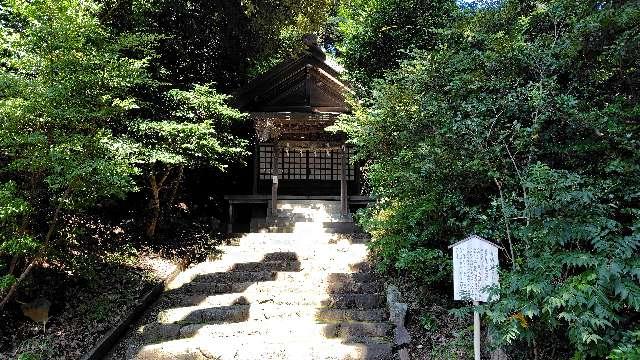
x: 506, y: 223
x: 524, y: 190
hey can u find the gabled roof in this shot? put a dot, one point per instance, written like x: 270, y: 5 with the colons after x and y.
x: 310, y: 83
x: 474, y: 237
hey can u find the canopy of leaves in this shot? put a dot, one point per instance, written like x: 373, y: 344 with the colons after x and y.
x: 377, y: 34
x: 197, y: 134
x: 521, y: 126
x: 221, y: 42
x: 65, y: 87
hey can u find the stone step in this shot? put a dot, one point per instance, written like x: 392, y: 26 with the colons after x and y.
x: 326, y: 239
x: 245, y: 349
x: 351, y: 287
x: 295, y: 238
x: 327, y: 227
x: 311, y: 298
x: 335, y: 315
x: 304, y: 277
x: 291, y: 338
x: 363, y: 331
x: 307, y: 207
x: 291, y: 287
x: 200, y: 315
x: 236, y: 276
x: 355, y: 301
x: 317, y: 255
x: 309, y: 215
x: 338, y: 263
x: 240, y: 313
x: 291, y: 245
x: 267, y: 266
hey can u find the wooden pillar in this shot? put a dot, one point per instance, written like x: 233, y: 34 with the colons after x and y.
x: 230, y: 224
x: 343, y: 183
x: 274, y: 179
x: 256, y: 167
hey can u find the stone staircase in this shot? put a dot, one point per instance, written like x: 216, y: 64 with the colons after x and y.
x: 299, y: 296
x: 305, y: 216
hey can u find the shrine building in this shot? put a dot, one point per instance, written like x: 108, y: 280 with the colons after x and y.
x: 294, y: 158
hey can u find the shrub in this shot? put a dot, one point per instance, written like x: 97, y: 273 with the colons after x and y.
x: 521, y: 127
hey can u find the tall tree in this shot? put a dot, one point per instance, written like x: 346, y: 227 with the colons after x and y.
x: 196, y: 134
x: 65, y: 87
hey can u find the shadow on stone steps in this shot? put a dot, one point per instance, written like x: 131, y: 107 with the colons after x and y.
x: 355, y: 312
x: 174, y: 323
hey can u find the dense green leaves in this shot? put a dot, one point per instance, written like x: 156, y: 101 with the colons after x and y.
x: 197, y: 134
x: 64, y: 91
x: 378, y: 33
x: 521, y: 125
x: 14, y: 240
x: 221, y: 42
x: 65, y: 86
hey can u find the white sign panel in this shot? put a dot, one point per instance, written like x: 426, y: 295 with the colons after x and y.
x: 475, y: 269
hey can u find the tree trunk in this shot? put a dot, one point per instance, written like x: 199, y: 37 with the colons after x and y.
x: 154, y: 202
x: 52, y: 226
x: 176, y: 187
x: 154, y: 206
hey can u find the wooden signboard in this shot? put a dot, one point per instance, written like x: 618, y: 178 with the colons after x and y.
x: 475, y: 271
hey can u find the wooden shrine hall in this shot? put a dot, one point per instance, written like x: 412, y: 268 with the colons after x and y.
x: 295, y: 158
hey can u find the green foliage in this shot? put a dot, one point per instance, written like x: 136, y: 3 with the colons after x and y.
x: 100, y: 309
x: 66, y: 91
x: 11, y: 207
x: 36, y: 348
x: 458, y: 348
x: 126, y: 255
x: 222, y: 42
x: 428, y: 265
x: 428, y: 322
x: 6, y: 281
x: 629, y: 348
x: 198, y: 133
x: 65, y: 86
x: 28, y: 356
x: 281, y: 26
x: 521, y: 126
x: 376, y: 34
x: 13, y: 240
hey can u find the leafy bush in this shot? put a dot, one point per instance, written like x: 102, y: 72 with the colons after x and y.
x: 36, y: 348
x: 428, y: 265
x: 196, y: 133
x: 521, y: 126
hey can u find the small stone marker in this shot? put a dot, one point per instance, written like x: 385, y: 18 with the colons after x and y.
x: 475, y: 271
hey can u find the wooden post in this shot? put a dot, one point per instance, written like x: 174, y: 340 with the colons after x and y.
x: 476, y: 332
x: 230, y: 224
x: 256, y: 167
x: 343, y: 184
x: 274, y: 179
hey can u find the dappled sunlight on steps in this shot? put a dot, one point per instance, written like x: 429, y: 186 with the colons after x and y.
x: 273, y: 296
x: 307, y: 217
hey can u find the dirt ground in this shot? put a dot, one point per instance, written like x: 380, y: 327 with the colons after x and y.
x: 105, y: 269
